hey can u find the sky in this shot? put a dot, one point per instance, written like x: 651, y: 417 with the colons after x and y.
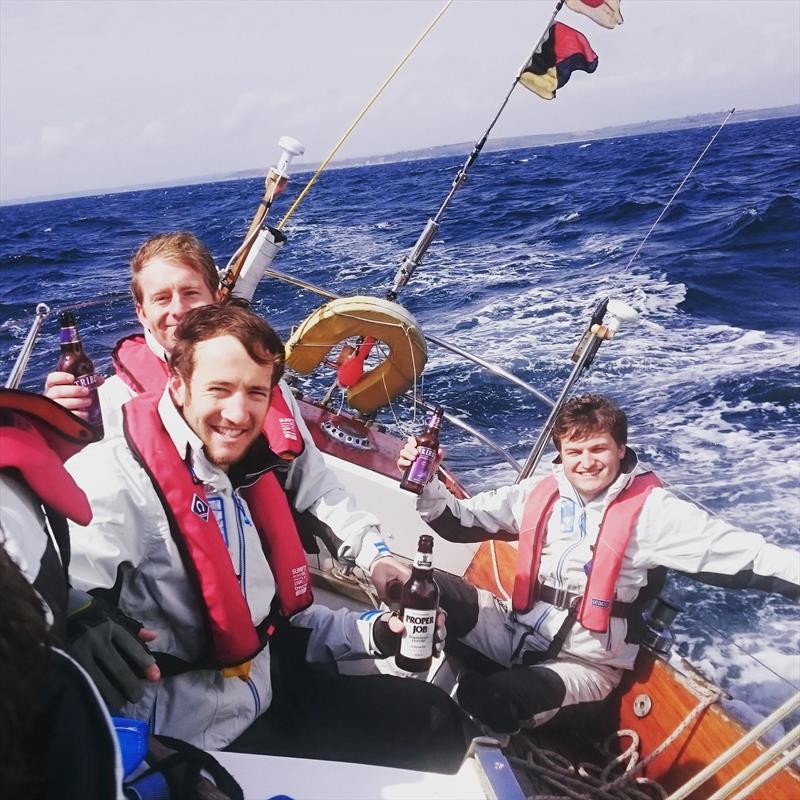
x: 99, y: 95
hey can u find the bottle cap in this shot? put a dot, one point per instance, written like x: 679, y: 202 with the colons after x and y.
x: 66, y: 319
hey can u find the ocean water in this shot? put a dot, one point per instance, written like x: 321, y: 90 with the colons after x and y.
x: 531, y: 243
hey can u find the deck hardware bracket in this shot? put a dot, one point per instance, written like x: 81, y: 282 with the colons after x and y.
x: 496, y: 775
x: 346, y: 437
x: 642, y: 704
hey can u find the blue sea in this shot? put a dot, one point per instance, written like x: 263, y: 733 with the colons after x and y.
x: 531, y: 243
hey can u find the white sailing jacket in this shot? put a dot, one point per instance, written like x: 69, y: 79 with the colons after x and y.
x: 670, y: 532
x: 315, y: 488
x: 129, y: 539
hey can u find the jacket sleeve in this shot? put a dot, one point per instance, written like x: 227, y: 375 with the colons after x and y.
x: 113, y: 394
x: 494, y: 514
x: 116, y: 534
x: 679, y: 535
x: 338, y: 635
x: 316, y: 489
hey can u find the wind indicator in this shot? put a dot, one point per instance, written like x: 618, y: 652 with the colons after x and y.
x: 257, y: 252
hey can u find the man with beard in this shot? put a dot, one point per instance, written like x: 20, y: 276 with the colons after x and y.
x: 192, y: 536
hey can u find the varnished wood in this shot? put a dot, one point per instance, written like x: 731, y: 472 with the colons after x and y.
x: 384, y: 448
x: 706, y: 738
x: 480, y: 572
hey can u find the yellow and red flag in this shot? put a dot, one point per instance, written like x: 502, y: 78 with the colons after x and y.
x: 562, y: 52
x: 603, y: 12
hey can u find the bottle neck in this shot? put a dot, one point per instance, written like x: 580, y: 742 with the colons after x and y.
x: 434, y: 424
x: 69, y: 336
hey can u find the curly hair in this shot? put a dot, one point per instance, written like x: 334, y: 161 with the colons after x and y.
x: 590, y: 414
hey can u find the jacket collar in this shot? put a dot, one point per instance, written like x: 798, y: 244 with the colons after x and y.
x: 154, y: 346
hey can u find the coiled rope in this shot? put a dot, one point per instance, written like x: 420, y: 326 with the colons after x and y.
x: 590, y: 782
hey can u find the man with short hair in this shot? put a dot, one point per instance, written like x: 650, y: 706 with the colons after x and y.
x: 192, y: 535
x: 594, y: 540
x: 171, y: 274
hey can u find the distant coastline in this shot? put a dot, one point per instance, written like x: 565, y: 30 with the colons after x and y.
x: 459, y: 148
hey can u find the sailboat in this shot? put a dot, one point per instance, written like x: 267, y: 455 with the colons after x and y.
x: 683, y: 739
x: 667, y: 712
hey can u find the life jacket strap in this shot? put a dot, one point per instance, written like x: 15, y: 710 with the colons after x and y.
x: 533, y: 657
x: 171, y: 665
x: 563, y: 599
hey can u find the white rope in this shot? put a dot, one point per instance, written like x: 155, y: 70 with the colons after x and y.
x: 790, y: 705
x: 756, y: 764
x: 589, y: 782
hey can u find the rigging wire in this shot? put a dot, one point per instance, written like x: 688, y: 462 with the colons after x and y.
x: 415, y: 256
x: 358, y: 118
x: 727, y: 637
x: 677, y: 191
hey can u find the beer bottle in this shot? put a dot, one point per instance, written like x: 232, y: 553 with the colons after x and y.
x: 419, y: 473
x: 75, y: 361
x: 420, y: 605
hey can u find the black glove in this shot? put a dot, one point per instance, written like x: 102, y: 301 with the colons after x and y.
x: 104, y: 642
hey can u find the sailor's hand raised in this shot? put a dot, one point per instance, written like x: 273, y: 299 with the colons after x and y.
x: 61, y: 387
x: 408, y: 455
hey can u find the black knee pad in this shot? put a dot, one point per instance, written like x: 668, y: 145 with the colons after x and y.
x: 460, y: 601
x: 506, y: 699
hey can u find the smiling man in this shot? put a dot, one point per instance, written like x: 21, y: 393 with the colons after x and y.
x: 594, y: 539
x: 192, y: 536
x: 171, y: 274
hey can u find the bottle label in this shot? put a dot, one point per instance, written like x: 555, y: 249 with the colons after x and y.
x: 90, y: 382
x: 68, y: 335
x: 422, y: 468
x: 417, y: 641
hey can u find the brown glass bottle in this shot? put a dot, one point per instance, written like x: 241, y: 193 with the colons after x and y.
x: 420, y: 604
x: 420, y: 472
x: 75, y: 361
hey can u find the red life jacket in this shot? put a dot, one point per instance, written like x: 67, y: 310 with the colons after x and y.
x: 141, y: 369
x: 40, y: 437
x: 205, y: 557
x: 616, y: 529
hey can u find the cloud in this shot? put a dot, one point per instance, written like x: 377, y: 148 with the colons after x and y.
x: 152, y: 132
x: 53, y: 140
x: 57, y: 139
x: 246, y: 108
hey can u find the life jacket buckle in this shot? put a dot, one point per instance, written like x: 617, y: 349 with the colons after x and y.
x: 561, y: 598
